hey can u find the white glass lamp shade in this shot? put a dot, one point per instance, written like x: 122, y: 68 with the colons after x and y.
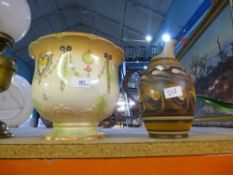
x: 16, y: 103
x: 15, y: 18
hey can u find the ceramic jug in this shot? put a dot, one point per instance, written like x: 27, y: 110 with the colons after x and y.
x: 166, y: 96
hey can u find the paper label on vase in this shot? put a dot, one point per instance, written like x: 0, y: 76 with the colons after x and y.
x: 80, y: 82
x: 173, y: 92
x: 71, y: 65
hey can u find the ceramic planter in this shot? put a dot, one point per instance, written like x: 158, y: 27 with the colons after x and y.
x: 75, y: 83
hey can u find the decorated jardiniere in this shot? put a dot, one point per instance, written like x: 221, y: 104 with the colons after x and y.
x: 75, y: 83
x: 166, y: 96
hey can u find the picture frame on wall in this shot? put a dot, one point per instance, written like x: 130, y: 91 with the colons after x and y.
x: 208, y: 57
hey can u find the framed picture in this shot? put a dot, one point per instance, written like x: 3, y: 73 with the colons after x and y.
x: 208, y: 57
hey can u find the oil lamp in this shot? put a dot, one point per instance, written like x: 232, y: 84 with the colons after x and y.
x: 15, y: 20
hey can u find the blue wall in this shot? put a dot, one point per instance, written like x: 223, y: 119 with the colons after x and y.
x: 177, y: 16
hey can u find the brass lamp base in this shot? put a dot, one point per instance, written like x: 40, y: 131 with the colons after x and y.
x: 6, y: 73
x: 7, y: 66
x: 5, y: 41
x: 7, y: 70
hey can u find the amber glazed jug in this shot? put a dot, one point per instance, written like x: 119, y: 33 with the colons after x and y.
x: 75, y: 83
x: 166, y: 96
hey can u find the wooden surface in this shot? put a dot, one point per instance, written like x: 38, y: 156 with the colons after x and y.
x: 208, y: 151
x: 120, y: 143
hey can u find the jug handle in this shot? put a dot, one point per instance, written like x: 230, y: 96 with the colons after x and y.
x: 125, y: 84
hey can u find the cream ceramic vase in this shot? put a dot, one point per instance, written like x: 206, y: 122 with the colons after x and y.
x: 75, y: 83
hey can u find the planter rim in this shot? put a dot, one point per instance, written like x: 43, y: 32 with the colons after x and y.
x: 74, y: 34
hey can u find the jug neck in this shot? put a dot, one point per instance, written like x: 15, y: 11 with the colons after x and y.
x: 167, y: 56
x: 168, y: 51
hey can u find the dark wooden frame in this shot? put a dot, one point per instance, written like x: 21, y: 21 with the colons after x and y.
x: 212, y: 13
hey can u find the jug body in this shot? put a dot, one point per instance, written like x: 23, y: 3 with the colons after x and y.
x: 167, y: 99
x: 166, y: 96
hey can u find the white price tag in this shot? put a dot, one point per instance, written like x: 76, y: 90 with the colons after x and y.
x: 173, y: 92
x: 71, y: 65
x: 83, y: 82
